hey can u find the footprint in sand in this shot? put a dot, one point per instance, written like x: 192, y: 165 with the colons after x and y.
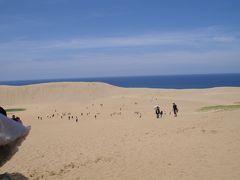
x: 213, y: 131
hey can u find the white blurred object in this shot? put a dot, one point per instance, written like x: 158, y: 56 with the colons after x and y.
x: 12, y: 134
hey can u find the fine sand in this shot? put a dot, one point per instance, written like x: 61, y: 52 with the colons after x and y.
x: 117, y: 135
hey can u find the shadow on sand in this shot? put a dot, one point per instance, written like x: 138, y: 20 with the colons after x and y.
x: 12, y: 176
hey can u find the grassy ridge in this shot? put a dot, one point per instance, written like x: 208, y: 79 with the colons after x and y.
x: 15, y: 109
x: 221, y: 107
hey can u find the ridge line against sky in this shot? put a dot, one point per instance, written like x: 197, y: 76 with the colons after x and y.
x: 59, y: 38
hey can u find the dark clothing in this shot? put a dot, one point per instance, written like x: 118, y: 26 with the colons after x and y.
x: 157, y: 112
x: 17, y: 119
x: 2, y: 111
x: 161, y: 113
x: 175, y: 109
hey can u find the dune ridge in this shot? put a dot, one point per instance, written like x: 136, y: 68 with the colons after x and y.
x: 117, y: 135
x: 58, y: 92
x: 83, y: 92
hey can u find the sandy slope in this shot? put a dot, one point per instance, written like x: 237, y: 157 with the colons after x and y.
x: 125, y: 140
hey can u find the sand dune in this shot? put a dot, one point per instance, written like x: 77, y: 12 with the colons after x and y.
x: 117, y: 135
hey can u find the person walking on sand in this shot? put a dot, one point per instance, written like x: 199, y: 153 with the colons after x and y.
x: 175, y: 109
x: 157, y: 111
x: 161, y: 113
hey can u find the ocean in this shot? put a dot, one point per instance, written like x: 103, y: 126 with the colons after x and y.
x: 162, y: 81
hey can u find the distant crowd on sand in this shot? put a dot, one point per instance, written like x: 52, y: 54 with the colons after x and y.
x: 159, y: 113
x: 14, y: 118
x: 71, y: 116
x: 66, y: 115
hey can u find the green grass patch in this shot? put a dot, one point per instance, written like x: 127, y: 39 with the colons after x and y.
x: 15, y: 109
x: 221, y: 107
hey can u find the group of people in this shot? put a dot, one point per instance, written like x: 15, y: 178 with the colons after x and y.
x: 15, y: 118
x: 159, y: 113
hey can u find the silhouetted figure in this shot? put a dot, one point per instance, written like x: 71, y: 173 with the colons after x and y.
x: 157, y: 111
x: 17, y: 119
x: 14, y: 118
x: 175, y: 109
x: 161, y: 113
x: 2, y: 111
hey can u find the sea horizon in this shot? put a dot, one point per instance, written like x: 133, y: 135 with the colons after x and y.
x: 180, y: 81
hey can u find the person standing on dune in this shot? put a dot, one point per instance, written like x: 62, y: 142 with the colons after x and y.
x: 157, y: 111
x: 175, y: 109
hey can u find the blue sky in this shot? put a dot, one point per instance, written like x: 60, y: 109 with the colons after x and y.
x: 92, y: 38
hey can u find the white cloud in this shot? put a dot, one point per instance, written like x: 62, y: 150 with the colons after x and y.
x: 193, y: 38
x: 184, y: 52
x: 101, y: 64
